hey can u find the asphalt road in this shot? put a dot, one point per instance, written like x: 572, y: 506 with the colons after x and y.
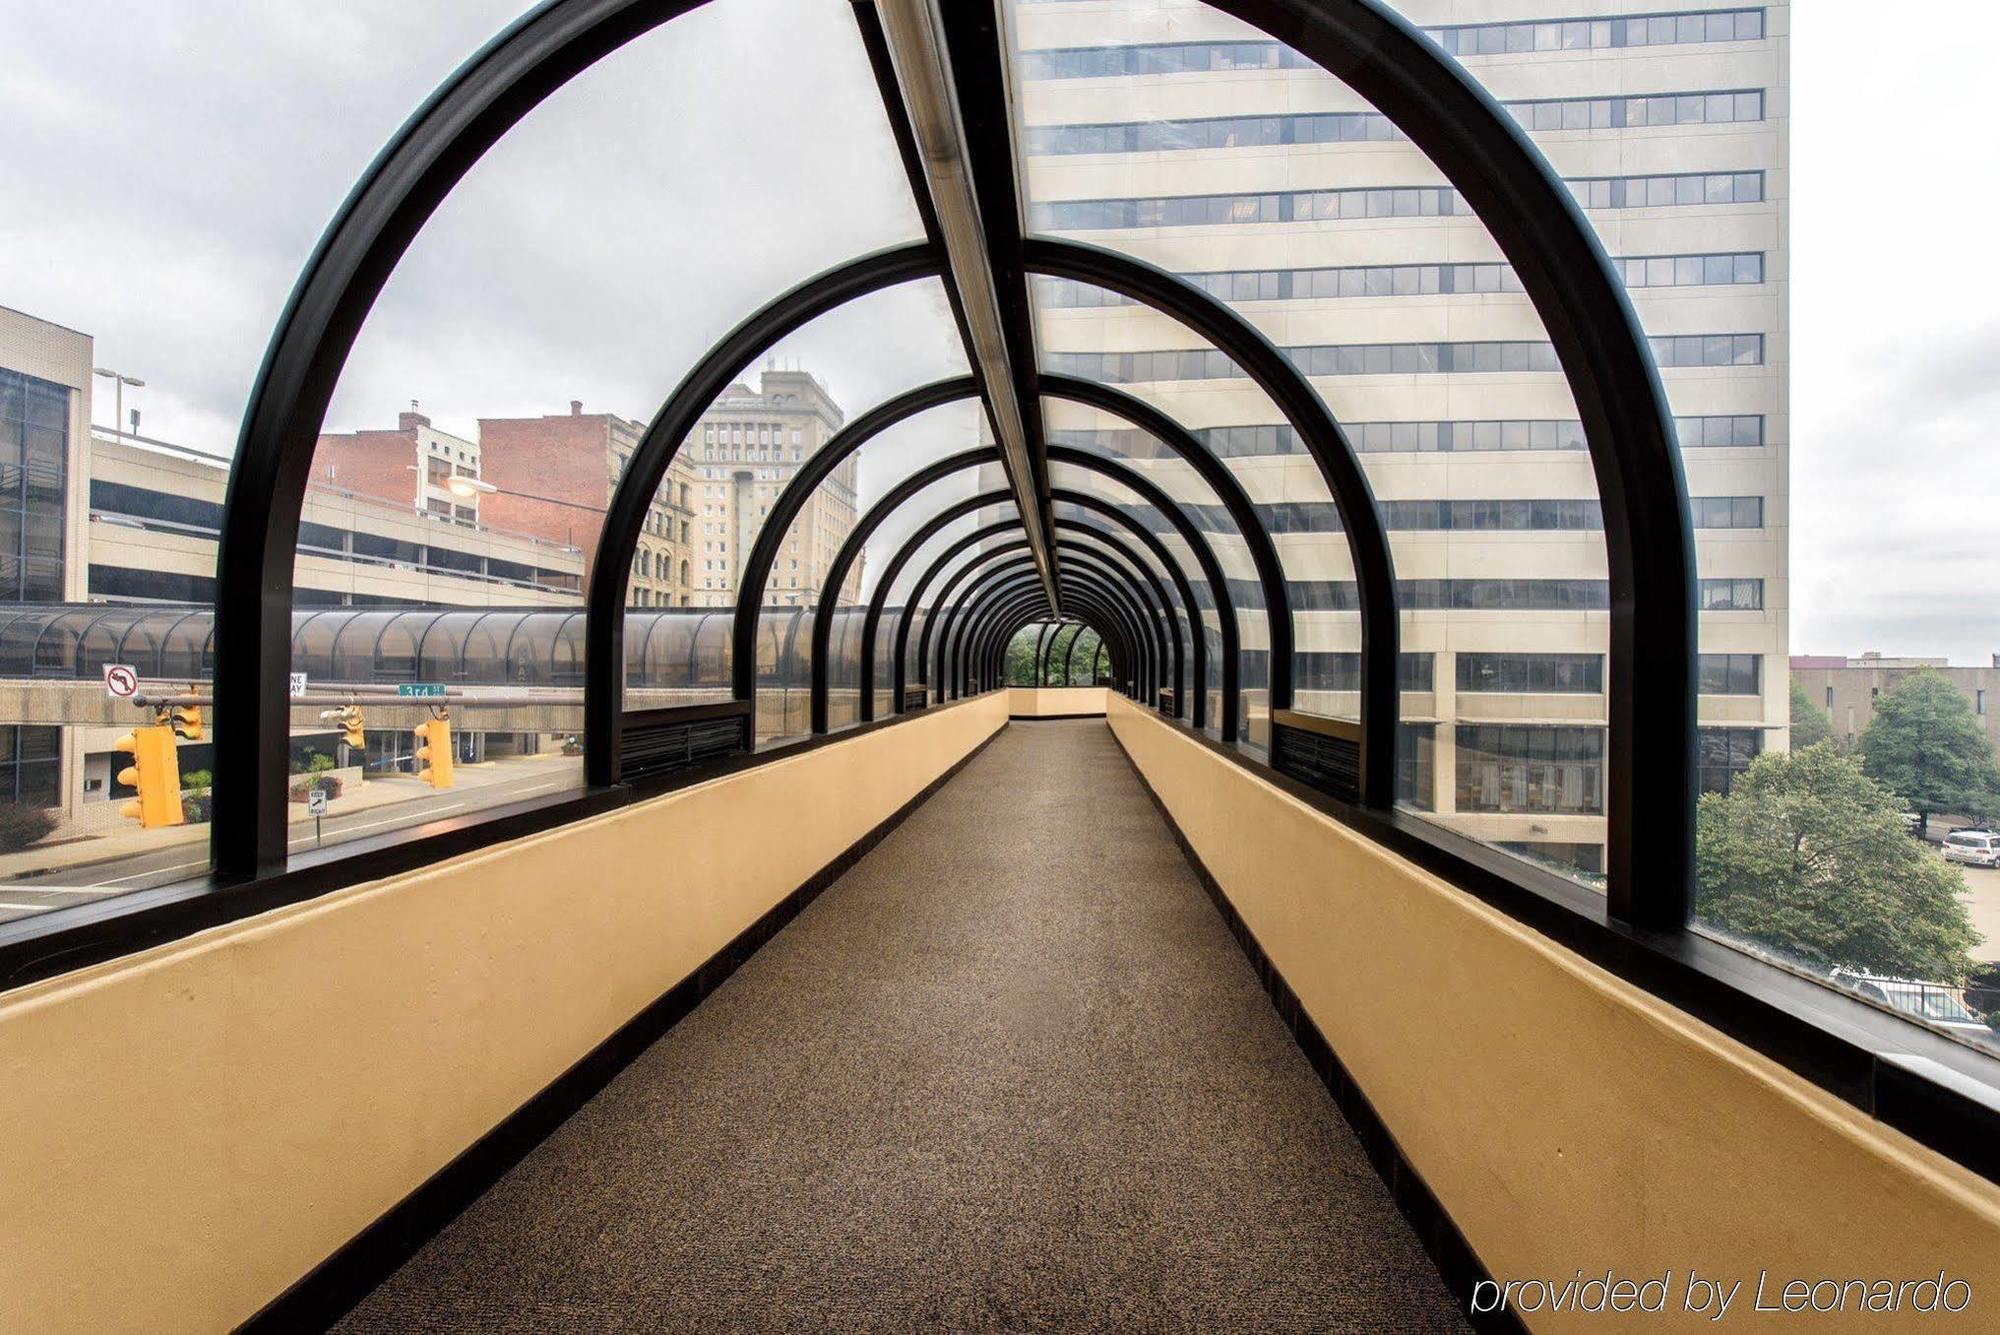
x: 60, y: 889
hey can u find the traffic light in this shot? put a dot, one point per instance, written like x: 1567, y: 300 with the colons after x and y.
x: 186, y: 722
x: 349, y: 719
x: 434, y: 752
x: 156, y: 772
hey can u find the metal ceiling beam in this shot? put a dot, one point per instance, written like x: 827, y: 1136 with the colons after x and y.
x: 951, y: 75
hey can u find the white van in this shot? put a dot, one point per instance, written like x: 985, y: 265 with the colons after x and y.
x: 1980, y: 848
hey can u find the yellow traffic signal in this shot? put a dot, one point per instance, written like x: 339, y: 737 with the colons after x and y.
x: 349, y: 719
x: 156, y: 772
x: 434, y: 752
x: 187, y: 722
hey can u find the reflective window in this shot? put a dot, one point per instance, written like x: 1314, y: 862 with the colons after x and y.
x: 1700, y: 107
x: 1336, y: 203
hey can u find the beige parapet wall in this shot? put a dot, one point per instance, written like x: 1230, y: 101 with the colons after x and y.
x: 1055, y: 701
x: 187, y: 1131
x: 1567, y: 1121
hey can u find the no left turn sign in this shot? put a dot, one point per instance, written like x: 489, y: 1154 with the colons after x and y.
x: 120, y: 681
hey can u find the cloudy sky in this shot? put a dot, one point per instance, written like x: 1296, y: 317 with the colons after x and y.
x: 169, y: 163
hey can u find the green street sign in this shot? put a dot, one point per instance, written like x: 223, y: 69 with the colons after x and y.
x: 420, y: 689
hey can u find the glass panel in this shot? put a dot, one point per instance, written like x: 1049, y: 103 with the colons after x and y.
x: 544, y: 315
x: 746, y: 450
x: 903, y: 588
x: 886, y: 462
x: 1292, y: 201
x: 1207, y: 393
x: 1113, y: 438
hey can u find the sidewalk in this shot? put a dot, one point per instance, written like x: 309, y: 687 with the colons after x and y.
x: 379, y: 791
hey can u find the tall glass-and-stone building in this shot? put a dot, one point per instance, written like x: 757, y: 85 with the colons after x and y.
x: 1166, y: 130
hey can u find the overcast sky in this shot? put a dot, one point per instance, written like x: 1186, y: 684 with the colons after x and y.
x: 168, y: 165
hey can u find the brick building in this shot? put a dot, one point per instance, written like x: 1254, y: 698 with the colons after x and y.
x: 553, y: 478
x: 410, y: 465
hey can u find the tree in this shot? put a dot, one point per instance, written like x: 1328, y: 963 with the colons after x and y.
x: 1810, y: 726
x: 1808, y: 855
x: 1924, y: 744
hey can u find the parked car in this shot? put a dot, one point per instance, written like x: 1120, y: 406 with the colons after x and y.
x: 1934, y: 1003
x: 1978, y: 848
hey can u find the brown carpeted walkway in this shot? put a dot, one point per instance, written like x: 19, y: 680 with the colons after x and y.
x: 1011, y: 1071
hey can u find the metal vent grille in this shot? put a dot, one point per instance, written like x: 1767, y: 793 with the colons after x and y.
x: 654, y: 749
x: 915, y: 697
x: 1330, y: 764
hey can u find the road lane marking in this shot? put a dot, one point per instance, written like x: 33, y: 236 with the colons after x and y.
x: 410, y: 818
x: 157, y: 871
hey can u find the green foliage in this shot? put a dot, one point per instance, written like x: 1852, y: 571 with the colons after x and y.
x: 1924, y: 744
x: 197, y: 782
x: 1808, y: 855
x: 1810, y: 725
x: 318, y: 762
x: 1021, y: 657
x: 22, y: 826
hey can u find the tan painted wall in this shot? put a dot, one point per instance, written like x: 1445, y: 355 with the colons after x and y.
x: 1565, y: 1118
x: 187, y: 1131
x: 1040, y: 702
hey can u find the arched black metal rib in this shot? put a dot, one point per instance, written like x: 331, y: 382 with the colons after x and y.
x: 1197, y: 646
x: 850, y: 549
x: 1648, y: 533
x: 864, y: 527
x: 974, y: 642
x: 1224, y: 483
x: 1041, y: 647
x: 1211, y: 569
x: 945, y: 618
x: 1112, y: 584
x: 1069, y: 661
x: 1538, y: 226
x: 1002, y: 578
x: 793, y: 497
x: 926, y: 662
x: 898, y: 668
x: 1367, y: 538
x: 625, y: 517
x: 1107, y: 639
x: 469, y: 112
x: 1021, y: 606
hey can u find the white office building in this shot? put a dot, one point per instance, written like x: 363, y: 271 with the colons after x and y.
x: 1168, y: 131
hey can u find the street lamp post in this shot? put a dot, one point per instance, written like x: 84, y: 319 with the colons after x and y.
x: 118, y: 410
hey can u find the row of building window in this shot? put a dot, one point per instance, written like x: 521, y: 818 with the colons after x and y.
x: 1468, y: 39
x: 1492, y: 595
x: 1485, y: 515
x: 1515, y: 673
x: 1477, y: 516
x: 1515, y: 768
x: 192, y: 514
x: 34, y: 473
x: 1410, y: 280
x: 1342, y: 359
x: 1559, y: 771
x: 1671, y: 190
x: 1448, y: 437
x: 1705, y: 107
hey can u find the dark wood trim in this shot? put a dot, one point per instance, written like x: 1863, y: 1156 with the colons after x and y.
x: 332, y: 1288
x: 1449, y: 1249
